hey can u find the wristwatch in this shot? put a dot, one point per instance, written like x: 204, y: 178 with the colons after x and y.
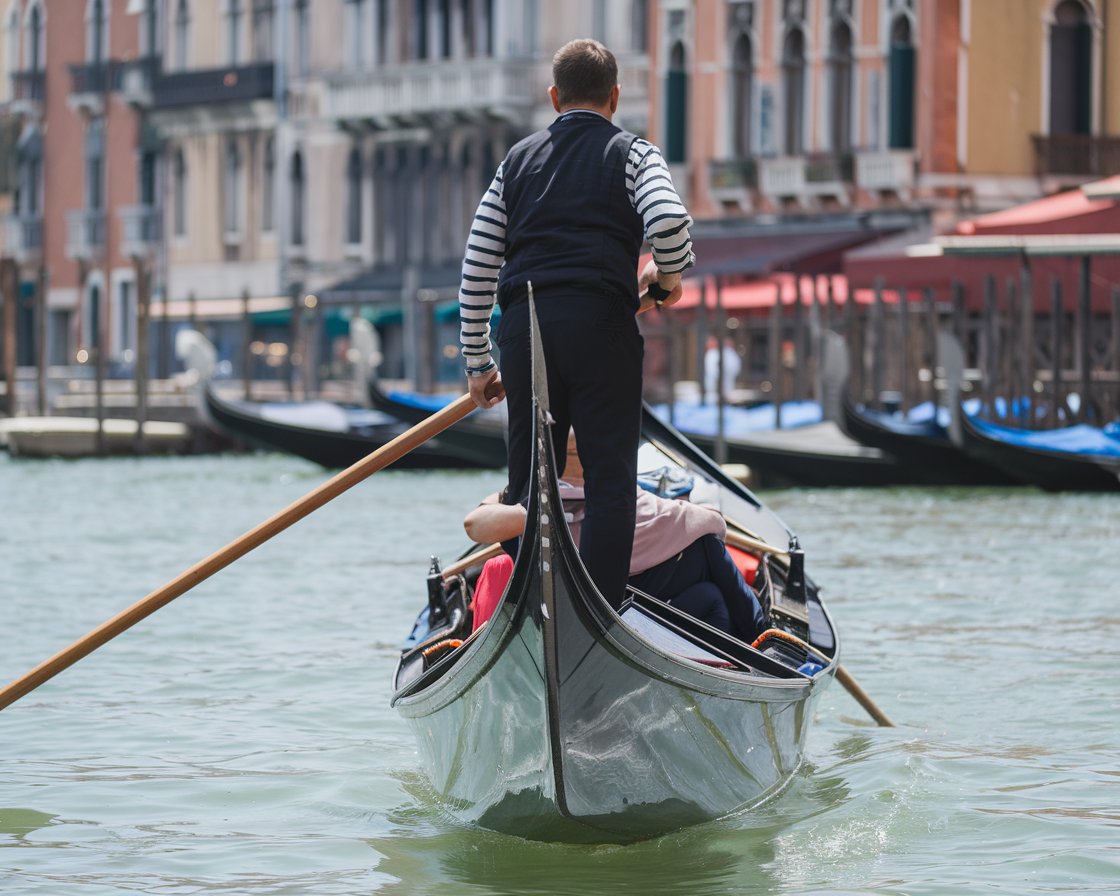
x: 658, y: 293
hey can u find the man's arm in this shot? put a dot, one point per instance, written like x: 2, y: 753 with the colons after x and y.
x: 664, y: 218
x: 482, y: 260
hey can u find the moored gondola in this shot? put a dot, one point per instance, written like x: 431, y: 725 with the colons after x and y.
x: 480, y: 438
x: 560, y: 719
x: 1072, y: 458
x: 922, y: 445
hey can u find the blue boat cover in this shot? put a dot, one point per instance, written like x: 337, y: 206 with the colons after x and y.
x: 1079, y: 439
x: 702, y: 419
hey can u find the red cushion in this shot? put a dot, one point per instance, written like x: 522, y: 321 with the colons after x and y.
x: 490, y: 587
x: 747, y: 563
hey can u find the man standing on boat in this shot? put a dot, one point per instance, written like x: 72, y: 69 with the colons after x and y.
x: 568, y: 210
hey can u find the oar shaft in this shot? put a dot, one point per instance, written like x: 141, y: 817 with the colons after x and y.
x: 852, y: 687
x: 329, y: 490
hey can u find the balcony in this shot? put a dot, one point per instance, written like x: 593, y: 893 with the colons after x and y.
x: 89, y: 84
x: 142, y: 228
x: 199, y: 87
x: 135, y: 79
x: 23, y: 238
x: 806, y: 179
x: 733, y: 180
x: 29, y: 89
x: 85, y: 234
x: 418, y: 92
x: 1078, y: 156
x: 886, y: 172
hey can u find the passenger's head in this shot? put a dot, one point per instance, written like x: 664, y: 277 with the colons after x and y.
x: 584, y: 72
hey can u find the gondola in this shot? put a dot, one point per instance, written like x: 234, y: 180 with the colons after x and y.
x: 922, y: 444
x: 818, y: 455
x: 479, y: 438
x: 1072, y: 458
x: 329, y: 434
x: 562, y: 720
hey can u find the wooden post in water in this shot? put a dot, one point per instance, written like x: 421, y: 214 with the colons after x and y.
x: 9, y: 298
x: 873, y: 353
x: 41, y: 359
x: 702, y: 338
x: 1009, y: 370
x: 1115, y: 415
x: 1084, y: 339
x: 720, y: 328
x: 960, y: 317
x: 99, y: 359
x: 246, y: 345
x: 143, y: 349
x: 670, y: 364
x: 904, y: 390
x: 776, y: 355
x: 1055, y: 348
x: 851, y: 336
x: 988, y: 353
x: 800, y: 355
x: 1026, y: 342
x: 930, y: 303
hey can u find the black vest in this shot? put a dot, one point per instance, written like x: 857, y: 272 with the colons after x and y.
x: 570, y: 225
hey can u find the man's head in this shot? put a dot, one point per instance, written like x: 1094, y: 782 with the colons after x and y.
x: 584, y: 74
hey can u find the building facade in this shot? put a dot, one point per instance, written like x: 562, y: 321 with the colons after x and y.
x: 826, y: 106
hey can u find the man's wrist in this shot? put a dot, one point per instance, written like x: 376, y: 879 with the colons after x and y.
x: 480, y: 371
x: 658, y: 293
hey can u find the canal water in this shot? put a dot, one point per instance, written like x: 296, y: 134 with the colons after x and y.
x: 240, y: 739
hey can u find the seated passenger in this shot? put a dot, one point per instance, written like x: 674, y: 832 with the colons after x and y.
x: 679, y: 555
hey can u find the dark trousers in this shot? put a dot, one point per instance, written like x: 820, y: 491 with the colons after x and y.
x: 593, y: 353
x: 704, y: 582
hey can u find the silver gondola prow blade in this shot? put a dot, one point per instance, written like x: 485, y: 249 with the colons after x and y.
x: 543, y: 434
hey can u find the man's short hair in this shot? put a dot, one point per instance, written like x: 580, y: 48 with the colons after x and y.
x: 584, y: 71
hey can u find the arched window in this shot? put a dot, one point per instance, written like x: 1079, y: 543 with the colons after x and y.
x: 901, y: 67
x: 12, y: 40
x: 233, y: 32
x: 742, y: 90
x: 840, y: 65
x: 1071, y: 70
x: 297, y: 189
x: 303, y: 38
x: 35, y: 51
x: 355, y: 33
x: 268, y: 186
x: 96, y: 32
x: 639, y: 25
x: 380, y: 44
x: 179, y: 191
x: 264, y: 24
x: 149, y: 29
x: 232, y: 189
x: 354, y: 198
x: 95, y: 164
x: 182, y: 34
x: 420, y: 29
x: 676, y: 105
x: 793, y: 83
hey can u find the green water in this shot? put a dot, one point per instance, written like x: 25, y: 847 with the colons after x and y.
x: 239, y: 741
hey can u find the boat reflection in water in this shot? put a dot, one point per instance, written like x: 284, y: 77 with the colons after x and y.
x: 562, y: 720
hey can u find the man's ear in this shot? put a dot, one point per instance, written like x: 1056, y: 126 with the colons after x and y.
x: 554, y: 95
x: 614, y: 99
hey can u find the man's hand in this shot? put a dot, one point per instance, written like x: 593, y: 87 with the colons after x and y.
x: 672, y: 282
x: 486, y: 390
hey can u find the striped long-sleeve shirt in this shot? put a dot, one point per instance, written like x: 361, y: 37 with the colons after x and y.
x: 650, y: 188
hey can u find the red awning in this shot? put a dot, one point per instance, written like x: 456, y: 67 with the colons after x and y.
x: 1068, y: 212
x: 760, y: 294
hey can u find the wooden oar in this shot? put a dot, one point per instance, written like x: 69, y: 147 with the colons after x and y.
x: 479, y: 556
x: 328, y: 491
x: 842, y: 675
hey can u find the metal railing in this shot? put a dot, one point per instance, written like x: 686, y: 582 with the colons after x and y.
x: 218, y: 85
x: 85, y: 233
x: 142, y: 228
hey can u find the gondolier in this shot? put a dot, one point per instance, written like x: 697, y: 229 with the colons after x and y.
x: 568, y: 210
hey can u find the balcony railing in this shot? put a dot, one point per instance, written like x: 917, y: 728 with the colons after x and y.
x: 85, y: 233
x: 889, y: 170
x: 732, y: 174
x: 29, y: 87
x: 806, y: 177
x: 217, y: 85
x: 23, y: 237
x: 91, y: 77
x: 142, y: 228
x: 1076, y: 155
x: 427, y: 88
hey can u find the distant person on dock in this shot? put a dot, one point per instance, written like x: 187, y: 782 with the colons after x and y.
x: 679, y: 554
x: 712, y: 373
x: 567, y: 211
